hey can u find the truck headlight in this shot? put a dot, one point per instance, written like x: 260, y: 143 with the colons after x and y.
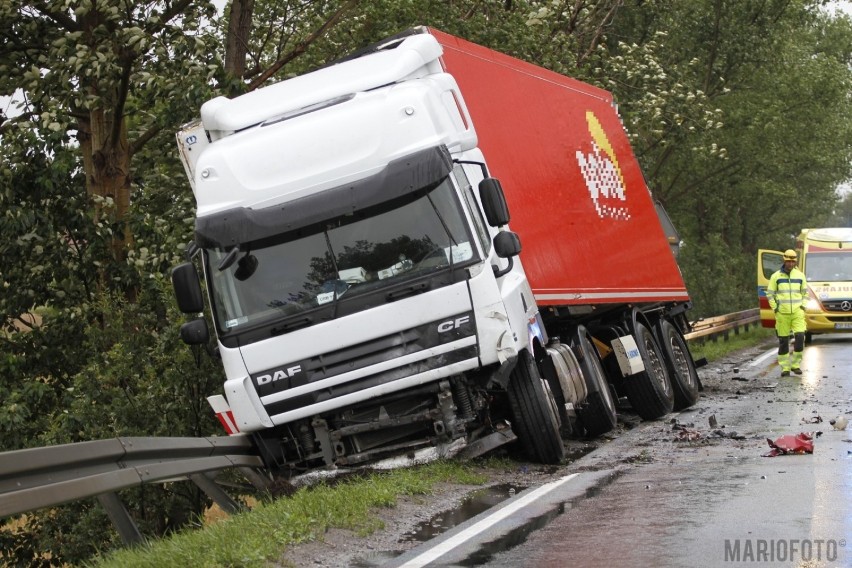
x: 812, y: 305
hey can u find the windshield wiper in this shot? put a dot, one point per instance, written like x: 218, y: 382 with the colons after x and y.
x: 408, y: 291
x: 290, y: 326
x: 453, y: 242
x: 229, y: 258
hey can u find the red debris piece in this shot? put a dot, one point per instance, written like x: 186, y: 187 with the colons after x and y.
x: 801, y: 443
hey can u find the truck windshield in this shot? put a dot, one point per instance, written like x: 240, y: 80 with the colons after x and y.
x: 828, y: 266
x: 306, y: 275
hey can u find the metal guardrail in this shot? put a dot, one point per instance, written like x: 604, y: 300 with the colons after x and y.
x: 721, y: 326
x: 35, y: 478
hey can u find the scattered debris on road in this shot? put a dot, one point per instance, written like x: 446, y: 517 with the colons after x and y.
x: 801, y: 443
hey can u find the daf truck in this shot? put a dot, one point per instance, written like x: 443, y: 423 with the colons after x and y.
x: 825, y: 257
x: 428, y: 249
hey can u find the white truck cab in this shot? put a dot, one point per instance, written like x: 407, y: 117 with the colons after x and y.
x: 361, y: 305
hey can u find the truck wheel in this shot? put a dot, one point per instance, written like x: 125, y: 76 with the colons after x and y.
x: 650, y: 392
x: 598, y: 413
x: 534, y: 417
x: 681, y: 368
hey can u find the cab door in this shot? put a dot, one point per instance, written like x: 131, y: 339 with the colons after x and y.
x: 768, y: 261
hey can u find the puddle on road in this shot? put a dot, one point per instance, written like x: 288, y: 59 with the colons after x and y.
x: 512, y: 538
x: 478, y: 501
x: 474, y: 504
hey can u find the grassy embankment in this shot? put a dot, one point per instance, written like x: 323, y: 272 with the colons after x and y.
x: 258, y: 537
x: 714, y: 350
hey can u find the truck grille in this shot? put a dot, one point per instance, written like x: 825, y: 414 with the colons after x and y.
x: 407, y: 343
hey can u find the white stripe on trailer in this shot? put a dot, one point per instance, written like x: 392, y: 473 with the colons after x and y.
x: 659, y: 295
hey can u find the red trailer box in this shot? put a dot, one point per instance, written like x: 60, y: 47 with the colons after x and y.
x: 588, y: 224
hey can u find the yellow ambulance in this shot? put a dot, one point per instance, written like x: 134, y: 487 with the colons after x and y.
x: 825, y: 256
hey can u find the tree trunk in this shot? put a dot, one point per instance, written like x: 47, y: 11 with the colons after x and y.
x: 239, y: 28
x: 106, y: 161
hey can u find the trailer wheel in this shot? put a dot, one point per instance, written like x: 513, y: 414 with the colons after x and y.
x: 650, y: 392
x: 681, y: 368
x: 534, y: 415
x: 598, y: 414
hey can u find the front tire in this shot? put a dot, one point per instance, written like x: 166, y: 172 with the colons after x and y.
x: 650, y: 392
x: 534, y: 414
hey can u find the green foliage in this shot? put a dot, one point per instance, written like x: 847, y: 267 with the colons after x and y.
x: 739, y: 112
x: 253, y: 539
x: 47, y: 247
x: 713, y: 271
x: 76, y: 56
x: 138, y: 380
x: 113, y: 394
x: 714, y: 350
x: 842, y: 216
x: 78, y: 360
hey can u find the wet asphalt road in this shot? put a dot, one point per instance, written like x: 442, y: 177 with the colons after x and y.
x: 712, y: 500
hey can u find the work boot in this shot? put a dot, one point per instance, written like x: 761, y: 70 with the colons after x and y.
x: 797, y: 370
x: 785, y: 373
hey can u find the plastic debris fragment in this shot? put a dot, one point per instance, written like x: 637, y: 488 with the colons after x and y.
x: 801, y: 443
x: 839, y: 423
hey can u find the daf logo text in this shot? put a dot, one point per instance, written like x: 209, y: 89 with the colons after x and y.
x: 278, y: 375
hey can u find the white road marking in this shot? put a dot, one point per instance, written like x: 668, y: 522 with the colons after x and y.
x: 763, y: 358
x: 489, y: 521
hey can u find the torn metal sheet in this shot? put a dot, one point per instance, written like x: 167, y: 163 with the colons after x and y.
x: 801, y: 443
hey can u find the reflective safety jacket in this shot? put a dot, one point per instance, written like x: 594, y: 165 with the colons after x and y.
x: 787, y: 292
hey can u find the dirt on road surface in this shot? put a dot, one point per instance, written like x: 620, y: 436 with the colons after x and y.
x: 712, y: 421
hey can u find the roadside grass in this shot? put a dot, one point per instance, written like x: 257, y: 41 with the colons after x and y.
x: 261, y: 536
x: 715, y: 350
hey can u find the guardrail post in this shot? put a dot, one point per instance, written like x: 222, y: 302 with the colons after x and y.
x: 121, y: 519
x: 260, y: 482
x: 225, y: 501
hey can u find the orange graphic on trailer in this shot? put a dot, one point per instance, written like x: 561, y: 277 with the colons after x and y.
x: 602, y: 174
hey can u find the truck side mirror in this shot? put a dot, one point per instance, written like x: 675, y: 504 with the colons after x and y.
x: 494, y: 202
x: 187, y: 288
x: 507, y: 244
x: 195, y: 332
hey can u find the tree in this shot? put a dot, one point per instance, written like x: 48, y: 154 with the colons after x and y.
x: 842, y: 216
x: 100, y: 81
x: 86, y: 68
x: 44, y: 260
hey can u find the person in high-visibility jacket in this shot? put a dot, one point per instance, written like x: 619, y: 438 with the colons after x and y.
x: 787, y: 293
